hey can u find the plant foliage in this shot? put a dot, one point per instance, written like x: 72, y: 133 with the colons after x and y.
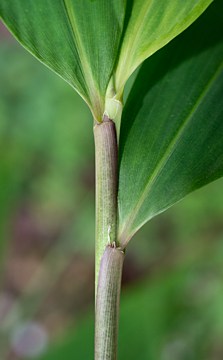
x: 172, y: 129
x: 171, y: 132
x: 83, y: 40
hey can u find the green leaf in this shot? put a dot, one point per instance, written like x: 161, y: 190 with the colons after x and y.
x: 171, y: 140
x: 152, y: 24
x: 83, y: 41
x: 79, y: 40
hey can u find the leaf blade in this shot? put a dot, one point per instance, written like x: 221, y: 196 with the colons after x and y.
x: 151, y: 26
x: 175, y: 104
x: 65, y: 35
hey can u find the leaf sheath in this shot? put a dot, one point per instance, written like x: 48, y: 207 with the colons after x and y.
x: 107, y: 304
x: 106, y: 155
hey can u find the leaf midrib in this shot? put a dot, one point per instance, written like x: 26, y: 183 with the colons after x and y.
x: 127, y: 232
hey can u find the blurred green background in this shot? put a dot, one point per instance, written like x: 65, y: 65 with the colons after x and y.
x: 172, y: 298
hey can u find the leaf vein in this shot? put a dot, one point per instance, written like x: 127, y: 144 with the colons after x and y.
x: 126, y: 233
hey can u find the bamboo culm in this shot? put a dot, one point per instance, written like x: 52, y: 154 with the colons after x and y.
x: 107, y: 304
x: 106, y: 159
x: 109, y: 255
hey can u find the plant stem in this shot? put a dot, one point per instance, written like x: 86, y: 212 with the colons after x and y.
x: 106, y: 157
x: 107, y: 304
x: 109, y: 256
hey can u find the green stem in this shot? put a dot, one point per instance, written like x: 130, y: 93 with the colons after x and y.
x: 106, y: 155
x: 109, y: 256
x: 107, y: 304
